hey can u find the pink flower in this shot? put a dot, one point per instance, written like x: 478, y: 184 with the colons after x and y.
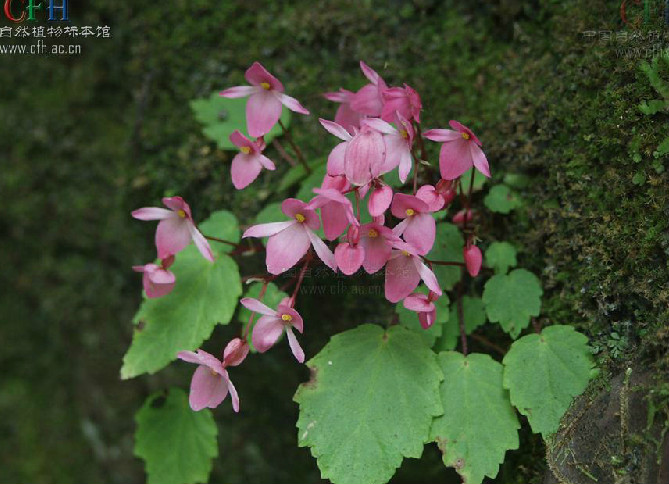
x: 379, y: 199
x: 404, y: 272
x: 446, y: 190
x: 157, y: 280
x: 404, y: 100
x: 377, y: 241
x: 369, y: 100
x: 211, y: 383
x: 289, y: 241
x: 418, y: 227
x: 430, y: 195
x: 272, y: 324
x: 176, y: 228
x: 423, y: 305
x: 266, y: 96
x: 350, y: 255
x: 398, y: 142
x: 461, y: 150
x: 345, y: 116
x: 246, y: 165
x: 336, y: 211
x: 473, y: 259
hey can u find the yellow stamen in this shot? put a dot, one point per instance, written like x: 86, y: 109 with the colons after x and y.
x: 410, y: 212
x: 286, y: 317
x: 245, y: 149
x: 299, y: 217
x: 181, y: 214
x: 465, y: 135
x: 265, y: 85
x: 404, y: 133
x: 406, y: 253
x: 372, y: 233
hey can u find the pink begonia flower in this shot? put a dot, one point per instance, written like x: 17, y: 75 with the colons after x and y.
x: 350, y: 254
x: 461, y: 150
x: 272, y: 324
x: 424, y: 306
x: 345, y: 116
x: 379, y: 199
x: 377, y: 241
x: 418, y: 227
x: 404, y: 100
x: 176, y: 228
x: 157, y: 279
x: 246, y: 165
x: 398, y: 142
x: 336, y: 211
x: 263, y: 109
x: 447, y: 191
x: 431, y: 197
x: 473, y: 259
x: 211, y: 383
x: 459, y: 218
x: 289, y: 241
x: 369, y: 99
x: 235, y: 352
x: 404, y: 271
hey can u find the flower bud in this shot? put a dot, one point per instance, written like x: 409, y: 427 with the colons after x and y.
x: 473, y: 259
x: 235, y: 352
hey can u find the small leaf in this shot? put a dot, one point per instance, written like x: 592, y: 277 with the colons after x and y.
x: 663, y: 148
x: 448, y: 246
x: 224, y: 224
x: 409, y: 319
x: 478, y: 425
x: 177, y: 444
x: 473, y: 314
x: 501, y: 199
x: 511, y: 300
x: 516, y: 180
x: 296, y: 173
x: 544, y: 372
x: 271, y: 213
x: 500, y: 256
x: 314, y: 180
x: 221, y: 116
x: 370, y: 403
x: 653, y: 106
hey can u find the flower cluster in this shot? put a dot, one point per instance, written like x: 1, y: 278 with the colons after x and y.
x: 379, y: 131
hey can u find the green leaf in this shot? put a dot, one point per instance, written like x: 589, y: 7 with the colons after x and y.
x: 501, y: 199
x: 205, y: 294
x: 271, y: 298
x: 448, y: 246
x: 663, y: 148
x: 224, y: 224
x: 392, y: 178
x: 370, y: 403
x: 473, y: 314
x: 511, y: 300
x: 312, y: 181
x: 516, y: 180
x: 479, y: 180
x: 501, y: 256
x: 177, y: 444
x: 270, y: 213
x: 653, y: 106
x: 298, y: 172
x: 478, y: 425
x: 544, y: 372
x: 409, y: 319
x: 221, y: 116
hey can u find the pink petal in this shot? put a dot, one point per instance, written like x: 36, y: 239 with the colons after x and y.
x: 292, y: 206
x: 431, y: 197
x: 480, y: 160
x: 189, y: 356
x: 268, y: 229
x: 364, y: 156
x: 335, y: 219
x: 380, y: 200
x: 399, y: 229
x: 172, y: 236
x: 335, y: 129
x: 239, y: 140
x: 296, y: 321
x: 295, y: 347
x: 238, y: 91
x: 235, y: 352
x: 418, y: 302
x: 442, y: 135
x: 349, y: 258
x: 367, y: 101
x: 427, y: 319
x: 473, y: 260
x: 336, y: 160
x: 420, y: 232
x: 234, y: 396
x: 257, y: 307
x: 152, y: 213
x: 245, y: 168
x: 161, y: 276
x: 370, y: 73
x: 403, y: 202
x: 427, y: 276
x: 266, y: 162
x: 266, y: 332
x: 455, y: 159
x: 257, y: 74
x: 348, y: 118
x: 292, y: 104
x: 464, y: 129
x: 207, y: 389
x: 396, y: 148
x: 377, y: 253
x: 401, y: 278
x: 201, y: 243
x: 176, y: 204
x: 322, y: 250
x: 380, y: 125
x: 263, y: 110
x: 287, y: 247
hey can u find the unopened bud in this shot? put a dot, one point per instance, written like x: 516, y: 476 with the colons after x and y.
x: 235, y: 352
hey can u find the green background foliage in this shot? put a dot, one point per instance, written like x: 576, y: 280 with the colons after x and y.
x: 86, y: 139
